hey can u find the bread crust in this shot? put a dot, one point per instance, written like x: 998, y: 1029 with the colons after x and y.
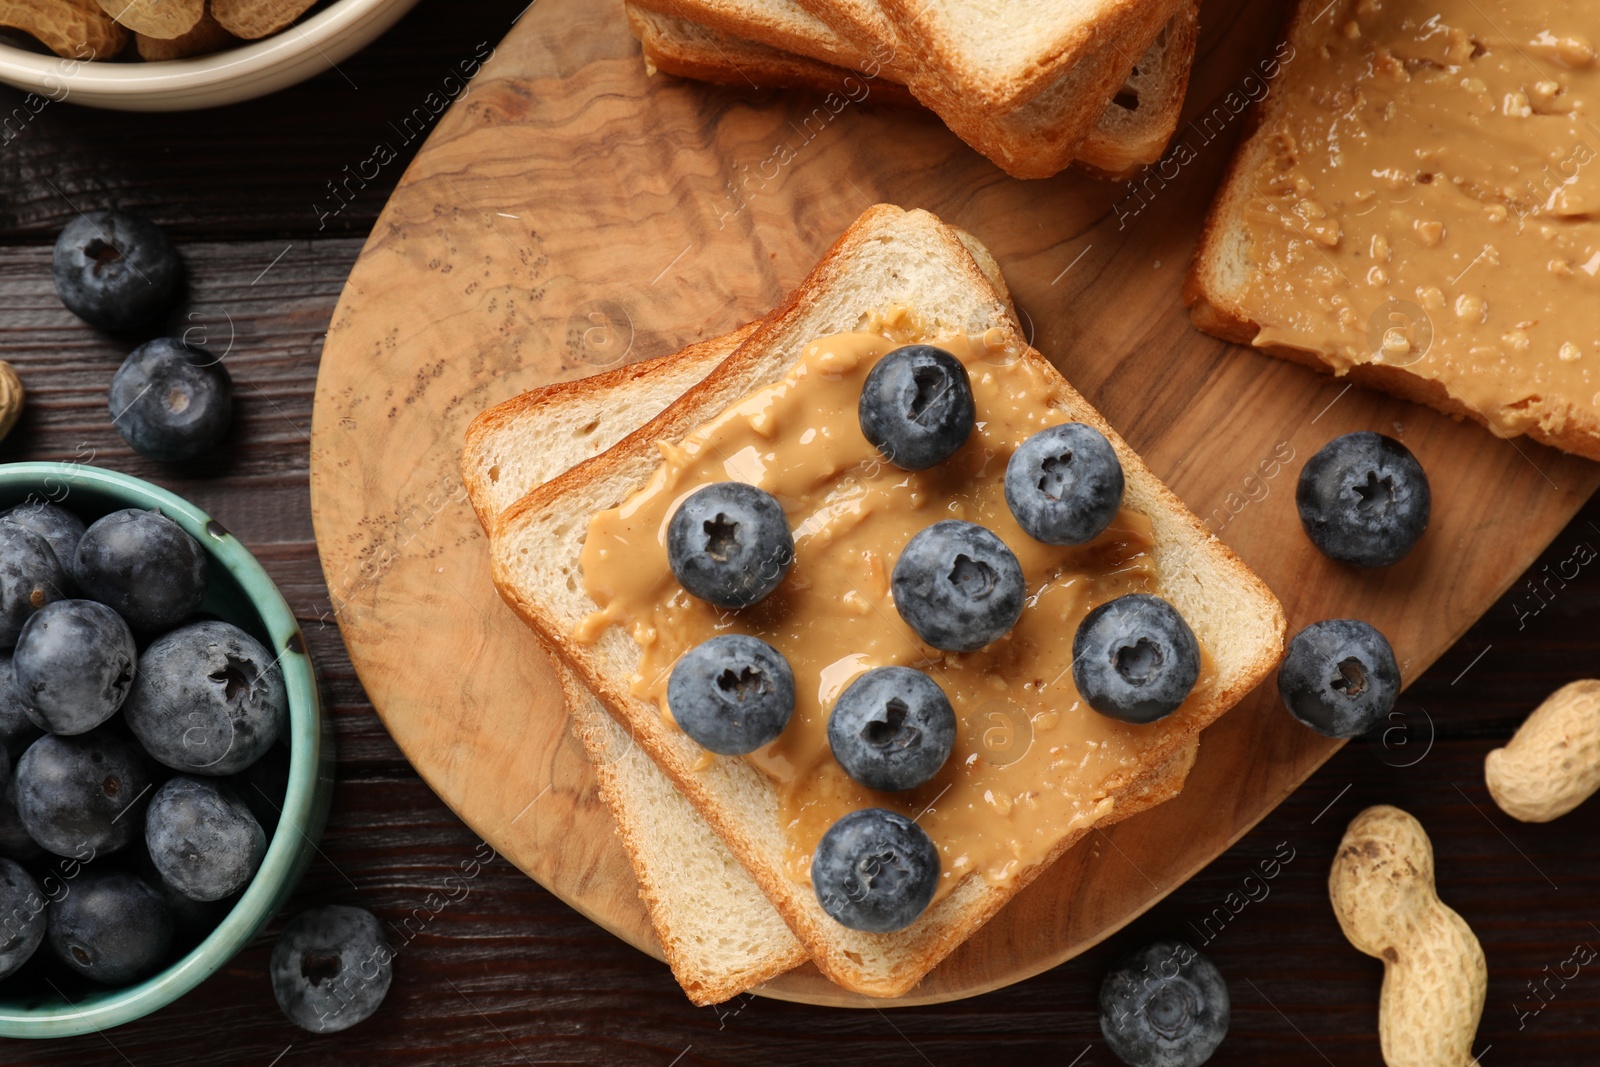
x: 1215, y: 308
x: 626, y: 465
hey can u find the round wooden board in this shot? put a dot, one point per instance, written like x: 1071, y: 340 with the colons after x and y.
x: 567, y: 188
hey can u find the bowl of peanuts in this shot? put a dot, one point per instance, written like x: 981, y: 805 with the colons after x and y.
x: 175, y: 55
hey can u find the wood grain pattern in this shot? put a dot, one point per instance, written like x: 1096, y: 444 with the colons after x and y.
x: 567, y: 185
x: 513, y: 975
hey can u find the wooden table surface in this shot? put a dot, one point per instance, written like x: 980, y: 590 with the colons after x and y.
x: 270, y: 202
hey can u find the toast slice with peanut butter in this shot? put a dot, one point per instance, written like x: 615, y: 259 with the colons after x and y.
x: 1417, y: 208
x: 719, y: 933
x: 907, y: 259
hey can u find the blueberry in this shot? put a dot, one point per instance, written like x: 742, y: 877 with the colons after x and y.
x: 916, y: 406
x: 30, y: 578
x: 729, y: 544
x: 60, y: 527
x: 81, y: 796
x: 1364, y: 499
x: 1164, y: 1005
x: 144, y: 566
x: 172, y: 400
x: 331, y: 968
x: 116, y: 271
x: 1135, y: 659
x: 958, y: 586
x: 1064, y: 485
x: 15, y: 843
x: 74, y: 665
x: 22, y: 917
x: 732, y: 694
x: 1339, y: 677
x: 191, y: 919
x: 111, y: 926
x: 875, y: 870
x: 207, y: 699
x: 17, y: 728
x: 892, y: 728
x: 202, y: 838
x: 263, y: 785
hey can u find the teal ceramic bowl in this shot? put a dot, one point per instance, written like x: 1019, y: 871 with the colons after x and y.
x: 241, y: 593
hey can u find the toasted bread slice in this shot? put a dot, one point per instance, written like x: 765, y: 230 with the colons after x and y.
x: 1001, y: 53
x: 718, y: 931
x: 888, y: 257
x: 1222, y: 273
x: 1133, y: 129
x: 680, y: 46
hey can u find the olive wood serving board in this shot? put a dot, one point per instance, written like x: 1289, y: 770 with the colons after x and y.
x: 571, y: 213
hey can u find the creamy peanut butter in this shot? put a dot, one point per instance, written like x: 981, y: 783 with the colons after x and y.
x: 1432, y: 200
x: 1001, y: 802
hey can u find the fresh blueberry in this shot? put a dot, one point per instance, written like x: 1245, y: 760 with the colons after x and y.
x: 916, y: 406
x: 74, y: 665
x: 144, y: 566
x: 892, y: 728
x: 172, y: 400
x: 1064, y: 485
x: 202, y: 838
x: 263, y: 785
x: 30, y: 578
x: 958, y: 586
x: 1164, y: 1005
x: 22, y: 917
x: 116, y: 271
x: 331, y: 968
x: 1339, y: 677
x: 875, y: 870
x: 81, y: 796
x: 207, y: 699
x: 15, y: 843
x: 191, y: 919
x: 17, y: 728
x: 111, y: 927
x: 60, y: 527
x: 729, y: 544
x: 732, y: 694
x: 1364, y: 499
x: 1135, y: 659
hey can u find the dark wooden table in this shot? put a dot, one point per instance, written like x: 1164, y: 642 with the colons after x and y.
x: 509, y: 974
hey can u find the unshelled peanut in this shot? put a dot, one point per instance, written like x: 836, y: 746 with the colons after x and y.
x: 1435, y: 977
x: 1552, y: 763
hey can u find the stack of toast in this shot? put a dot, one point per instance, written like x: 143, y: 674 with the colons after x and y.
x: 703, y: 831
x: 1033, y: 85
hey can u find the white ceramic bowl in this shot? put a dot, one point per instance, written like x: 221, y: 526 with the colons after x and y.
x: 250, y: 69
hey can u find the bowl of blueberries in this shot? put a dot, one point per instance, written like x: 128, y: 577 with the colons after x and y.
x: 165, y: 770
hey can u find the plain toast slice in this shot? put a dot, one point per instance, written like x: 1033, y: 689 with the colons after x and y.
x: 888, y: 257
x: 1002, y: 53
x: 1132, y: 130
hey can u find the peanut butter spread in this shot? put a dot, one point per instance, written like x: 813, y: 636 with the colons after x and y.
x: 1431, y: 200
x: 1032, y: 762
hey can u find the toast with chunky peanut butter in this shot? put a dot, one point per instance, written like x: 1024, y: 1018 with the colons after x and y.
x: 1417, y: 208
x: 908, y: 259
x: 720, y: 934
x: 1113, y: 113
